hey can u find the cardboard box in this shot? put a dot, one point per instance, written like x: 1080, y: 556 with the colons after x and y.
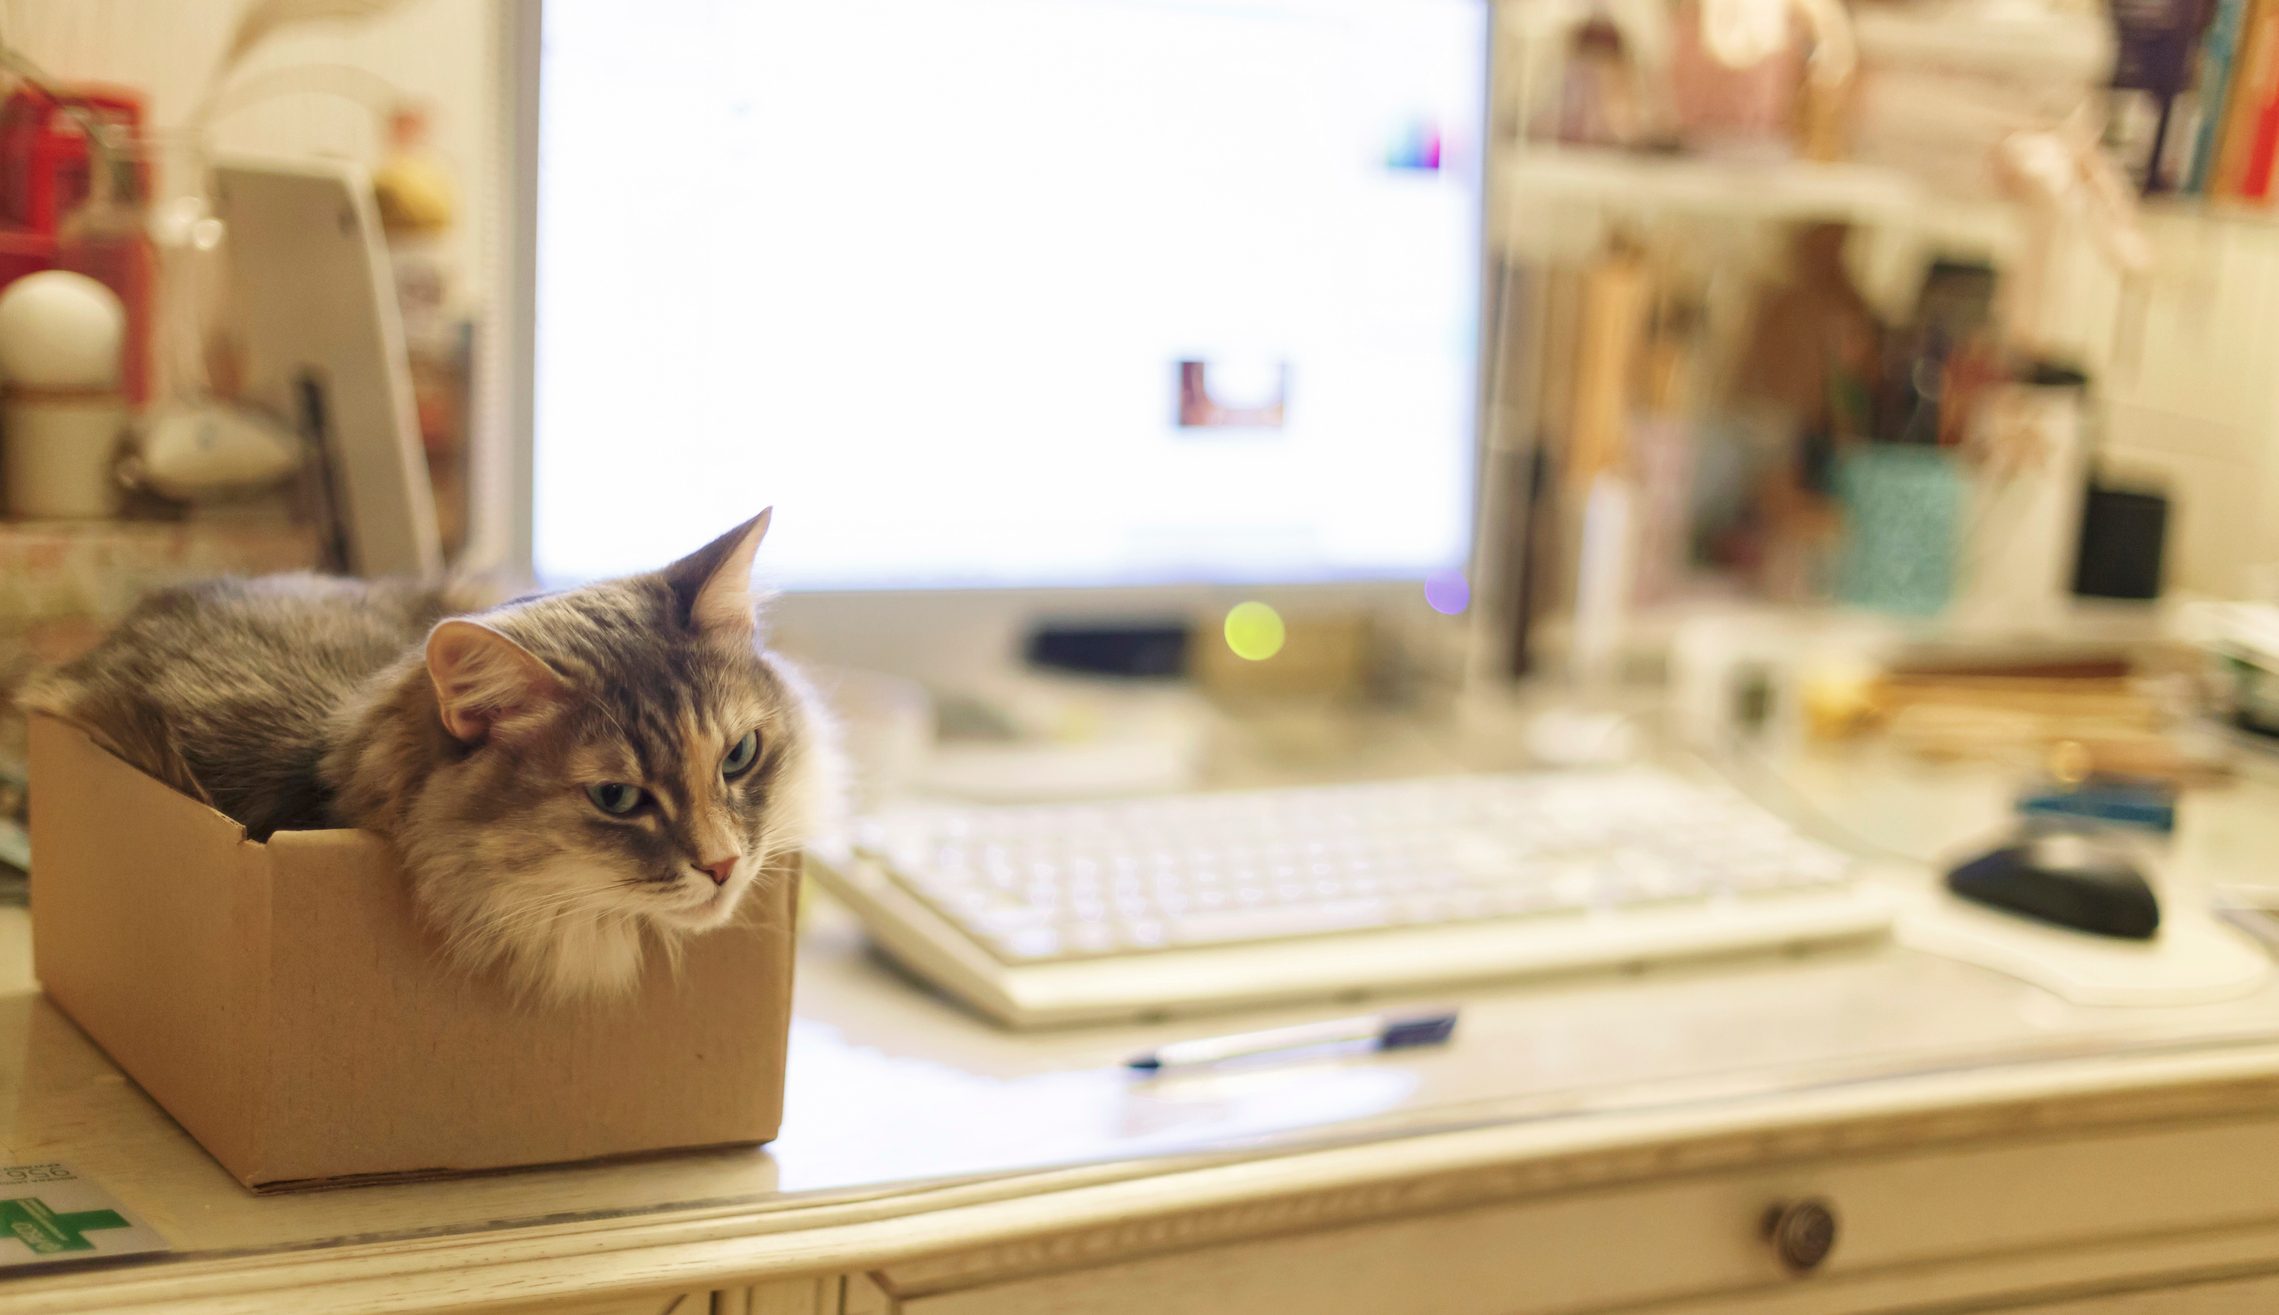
x: 284, y: 1004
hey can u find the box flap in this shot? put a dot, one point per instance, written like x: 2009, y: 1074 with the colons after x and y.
x: 149, y: 928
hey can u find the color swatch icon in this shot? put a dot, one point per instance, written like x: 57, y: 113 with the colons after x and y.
x: 1415, y: 147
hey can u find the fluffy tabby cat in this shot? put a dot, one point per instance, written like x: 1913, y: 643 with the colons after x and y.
x: 565, y: 778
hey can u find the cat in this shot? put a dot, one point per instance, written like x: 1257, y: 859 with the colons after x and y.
x: 566, y: 779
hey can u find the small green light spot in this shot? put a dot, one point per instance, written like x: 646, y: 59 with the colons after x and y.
x: 1254, y: 631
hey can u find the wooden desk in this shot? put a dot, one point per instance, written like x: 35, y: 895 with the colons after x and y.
x: 1589, y: 1145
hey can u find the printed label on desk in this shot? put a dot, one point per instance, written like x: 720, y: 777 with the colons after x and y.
x: 52, y: 1216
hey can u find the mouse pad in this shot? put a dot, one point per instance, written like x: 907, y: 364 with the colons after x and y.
x: 2193, y: 959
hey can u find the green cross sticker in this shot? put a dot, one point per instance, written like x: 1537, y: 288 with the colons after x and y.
x: 47, y: 1231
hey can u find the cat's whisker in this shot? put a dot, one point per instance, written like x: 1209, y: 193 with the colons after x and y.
x: 525, y: 916
x: 501, y: 929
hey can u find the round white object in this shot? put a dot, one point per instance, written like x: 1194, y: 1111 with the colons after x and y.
x: 215, y: 452
x: 59, y: 458
x: 60, y: 330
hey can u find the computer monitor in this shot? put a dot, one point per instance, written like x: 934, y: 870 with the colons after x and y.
x: 1007, y: 305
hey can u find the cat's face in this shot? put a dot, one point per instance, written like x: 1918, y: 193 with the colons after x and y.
x: 650, y: 794
x: 622, y: 763
x: 672, y: 807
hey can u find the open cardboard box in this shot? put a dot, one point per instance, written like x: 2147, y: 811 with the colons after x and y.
x: 284, y: 1004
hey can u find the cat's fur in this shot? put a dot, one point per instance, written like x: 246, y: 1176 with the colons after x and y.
x: 470, y: 741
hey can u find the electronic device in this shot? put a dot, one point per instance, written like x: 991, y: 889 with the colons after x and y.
x: 1063, y: 913
x: 2067, y: 877
x: 2106, y: 800
x: 2124, y: 539
x: 315, y: 305
x: 1106, y: 308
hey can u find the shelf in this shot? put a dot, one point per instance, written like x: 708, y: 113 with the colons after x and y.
x: 2210, y: 209
x: 1785, y: 189
x: 1644, y: 186
x: 55, y: 570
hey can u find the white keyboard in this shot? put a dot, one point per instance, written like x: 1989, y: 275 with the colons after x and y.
x: 1073, y: 912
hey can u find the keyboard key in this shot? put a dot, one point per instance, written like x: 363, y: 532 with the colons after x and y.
x: 1276, y: 923
x: 1091, y: 938
x: 1030, y: 943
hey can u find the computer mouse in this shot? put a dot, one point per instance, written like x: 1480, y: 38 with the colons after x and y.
x: 2068, y: 878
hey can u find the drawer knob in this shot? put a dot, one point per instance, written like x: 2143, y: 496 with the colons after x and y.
x: 1802, y: 1233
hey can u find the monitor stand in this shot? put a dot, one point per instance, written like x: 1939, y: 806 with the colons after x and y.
x: 1033, y: 734
x: 995, y: 726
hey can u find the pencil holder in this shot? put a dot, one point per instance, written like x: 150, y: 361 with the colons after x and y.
x: 1901, y: 517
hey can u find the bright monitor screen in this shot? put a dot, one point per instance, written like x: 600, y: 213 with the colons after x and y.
x: 1010, y: 293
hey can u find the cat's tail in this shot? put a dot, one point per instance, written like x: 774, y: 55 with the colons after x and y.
x: 51, y: 694
x: 128, y: 733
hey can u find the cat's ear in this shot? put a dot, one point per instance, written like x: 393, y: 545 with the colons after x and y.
x: 713, y: 585
x: 485, y: 682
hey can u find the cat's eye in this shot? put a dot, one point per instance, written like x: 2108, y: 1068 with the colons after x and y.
x: 615, y: 797
x: 741, y: 756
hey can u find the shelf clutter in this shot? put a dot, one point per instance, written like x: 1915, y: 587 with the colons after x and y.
x: 1774, y: 318
x: 63, y: 582
x: 2196, y: 105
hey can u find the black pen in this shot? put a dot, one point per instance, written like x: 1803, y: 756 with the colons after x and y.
x: 1377, y: 1031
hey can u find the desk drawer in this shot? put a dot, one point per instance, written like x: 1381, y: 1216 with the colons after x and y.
x: 1967, y: 1222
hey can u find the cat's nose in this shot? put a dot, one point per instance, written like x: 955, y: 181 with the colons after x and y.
x: 719, y: 869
